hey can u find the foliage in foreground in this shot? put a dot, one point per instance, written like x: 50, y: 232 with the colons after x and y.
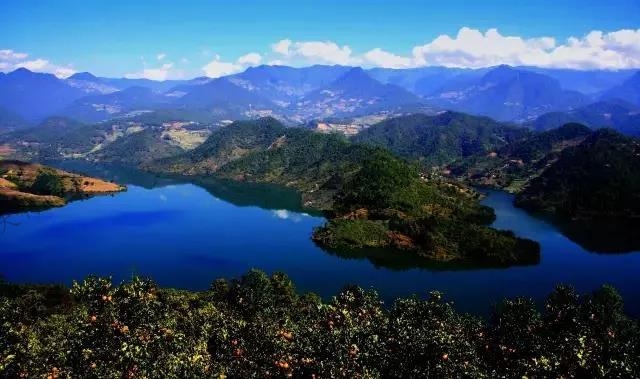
x: 258, y: 326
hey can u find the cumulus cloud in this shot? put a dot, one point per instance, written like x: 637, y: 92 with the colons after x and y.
x: 161, y: 56
x: 250, y: 59
x: 163, y: 72
x: 217, y: 68
x: 281, y: 47
x: 10, y: 55
x: 381, y: 58
x: 11, y: 60
x: 473, y: 48
x: 327, y: 52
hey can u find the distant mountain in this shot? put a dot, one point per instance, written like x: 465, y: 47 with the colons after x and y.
x: 90, y: 84
x: 302, y: 94
x: 33, y: 95
x: 10, y: 120
x: 283, y: 84
x: 96, y: 108
x: 424, y: 81
x: 222, y: 98
x: 598, y: 178
x: 508, y: 94
x: 440, y: 139
x: 589, y: 82
x: 93, y: 84
x: 353, y: 93
x: 617, y: 114
x: 628, y: 91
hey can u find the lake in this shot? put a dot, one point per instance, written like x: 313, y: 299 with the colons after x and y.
x: 186, y: 234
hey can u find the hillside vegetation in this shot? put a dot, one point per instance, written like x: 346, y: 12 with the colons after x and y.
x: 512, y: 166
x: 598, y: 178
x: 440, y: 139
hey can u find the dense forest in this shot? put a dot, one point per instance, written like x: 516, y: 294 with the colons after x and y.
x: 511, y: 166
x: 600, y: 177
x: 440, y: 139
x: 259, y: 326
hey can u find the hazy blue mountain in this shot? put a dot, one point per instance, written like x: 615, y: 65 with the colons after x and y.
x: 220, y: 97
x: 589, y: 82
x: 90, y: 84
x: 320, y: 91
x: 508, y: 94
x: 93, y: 84
x: 423, y: 81
x: 617, y: 114
x: 355, y: 92
x: 95, y: 108
x: 34, y: 96
x: 10, y: 120
x: 628, y: 91
x: 284, y: 84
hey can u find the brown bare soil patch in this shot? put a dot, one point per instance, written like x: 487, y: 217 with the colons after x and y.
x: 6, y: 150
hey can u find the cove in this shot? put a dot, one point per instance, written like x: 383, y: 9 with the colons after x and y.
x: 186, y: 233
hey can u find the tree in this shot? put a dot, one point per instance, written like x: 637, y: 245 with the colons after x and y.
x: 48, y: 183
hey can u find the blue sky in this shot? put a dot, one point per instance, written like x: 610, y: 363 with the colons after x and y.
x: 117, y: 38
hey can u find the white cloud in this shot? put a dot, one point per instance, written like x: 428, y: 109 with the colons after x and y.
x: 217, y: 68
x: 251, y: 59
x: 11, y: 60
x: 35, y: 65
x: 473, y: 48
x: 381, y: 58
x: 64, y: 72
x: 281, y: 47
x: 315, y: 52
x: 10, y: 55
x: 161, y: 56
x: 163, y: 72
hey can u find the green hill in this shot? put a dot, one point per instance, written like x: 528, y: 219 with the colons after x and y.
x: 440, y: 139
x: 136, y: 148
x: 598, y: 178
x: 512, y: 165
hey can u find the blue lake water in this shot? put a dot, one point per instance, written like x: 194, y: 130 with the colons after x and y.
x: 185, y: 235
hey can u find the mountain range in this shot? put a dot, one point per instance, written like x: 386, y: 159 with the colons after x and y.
x: 297, y: 95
